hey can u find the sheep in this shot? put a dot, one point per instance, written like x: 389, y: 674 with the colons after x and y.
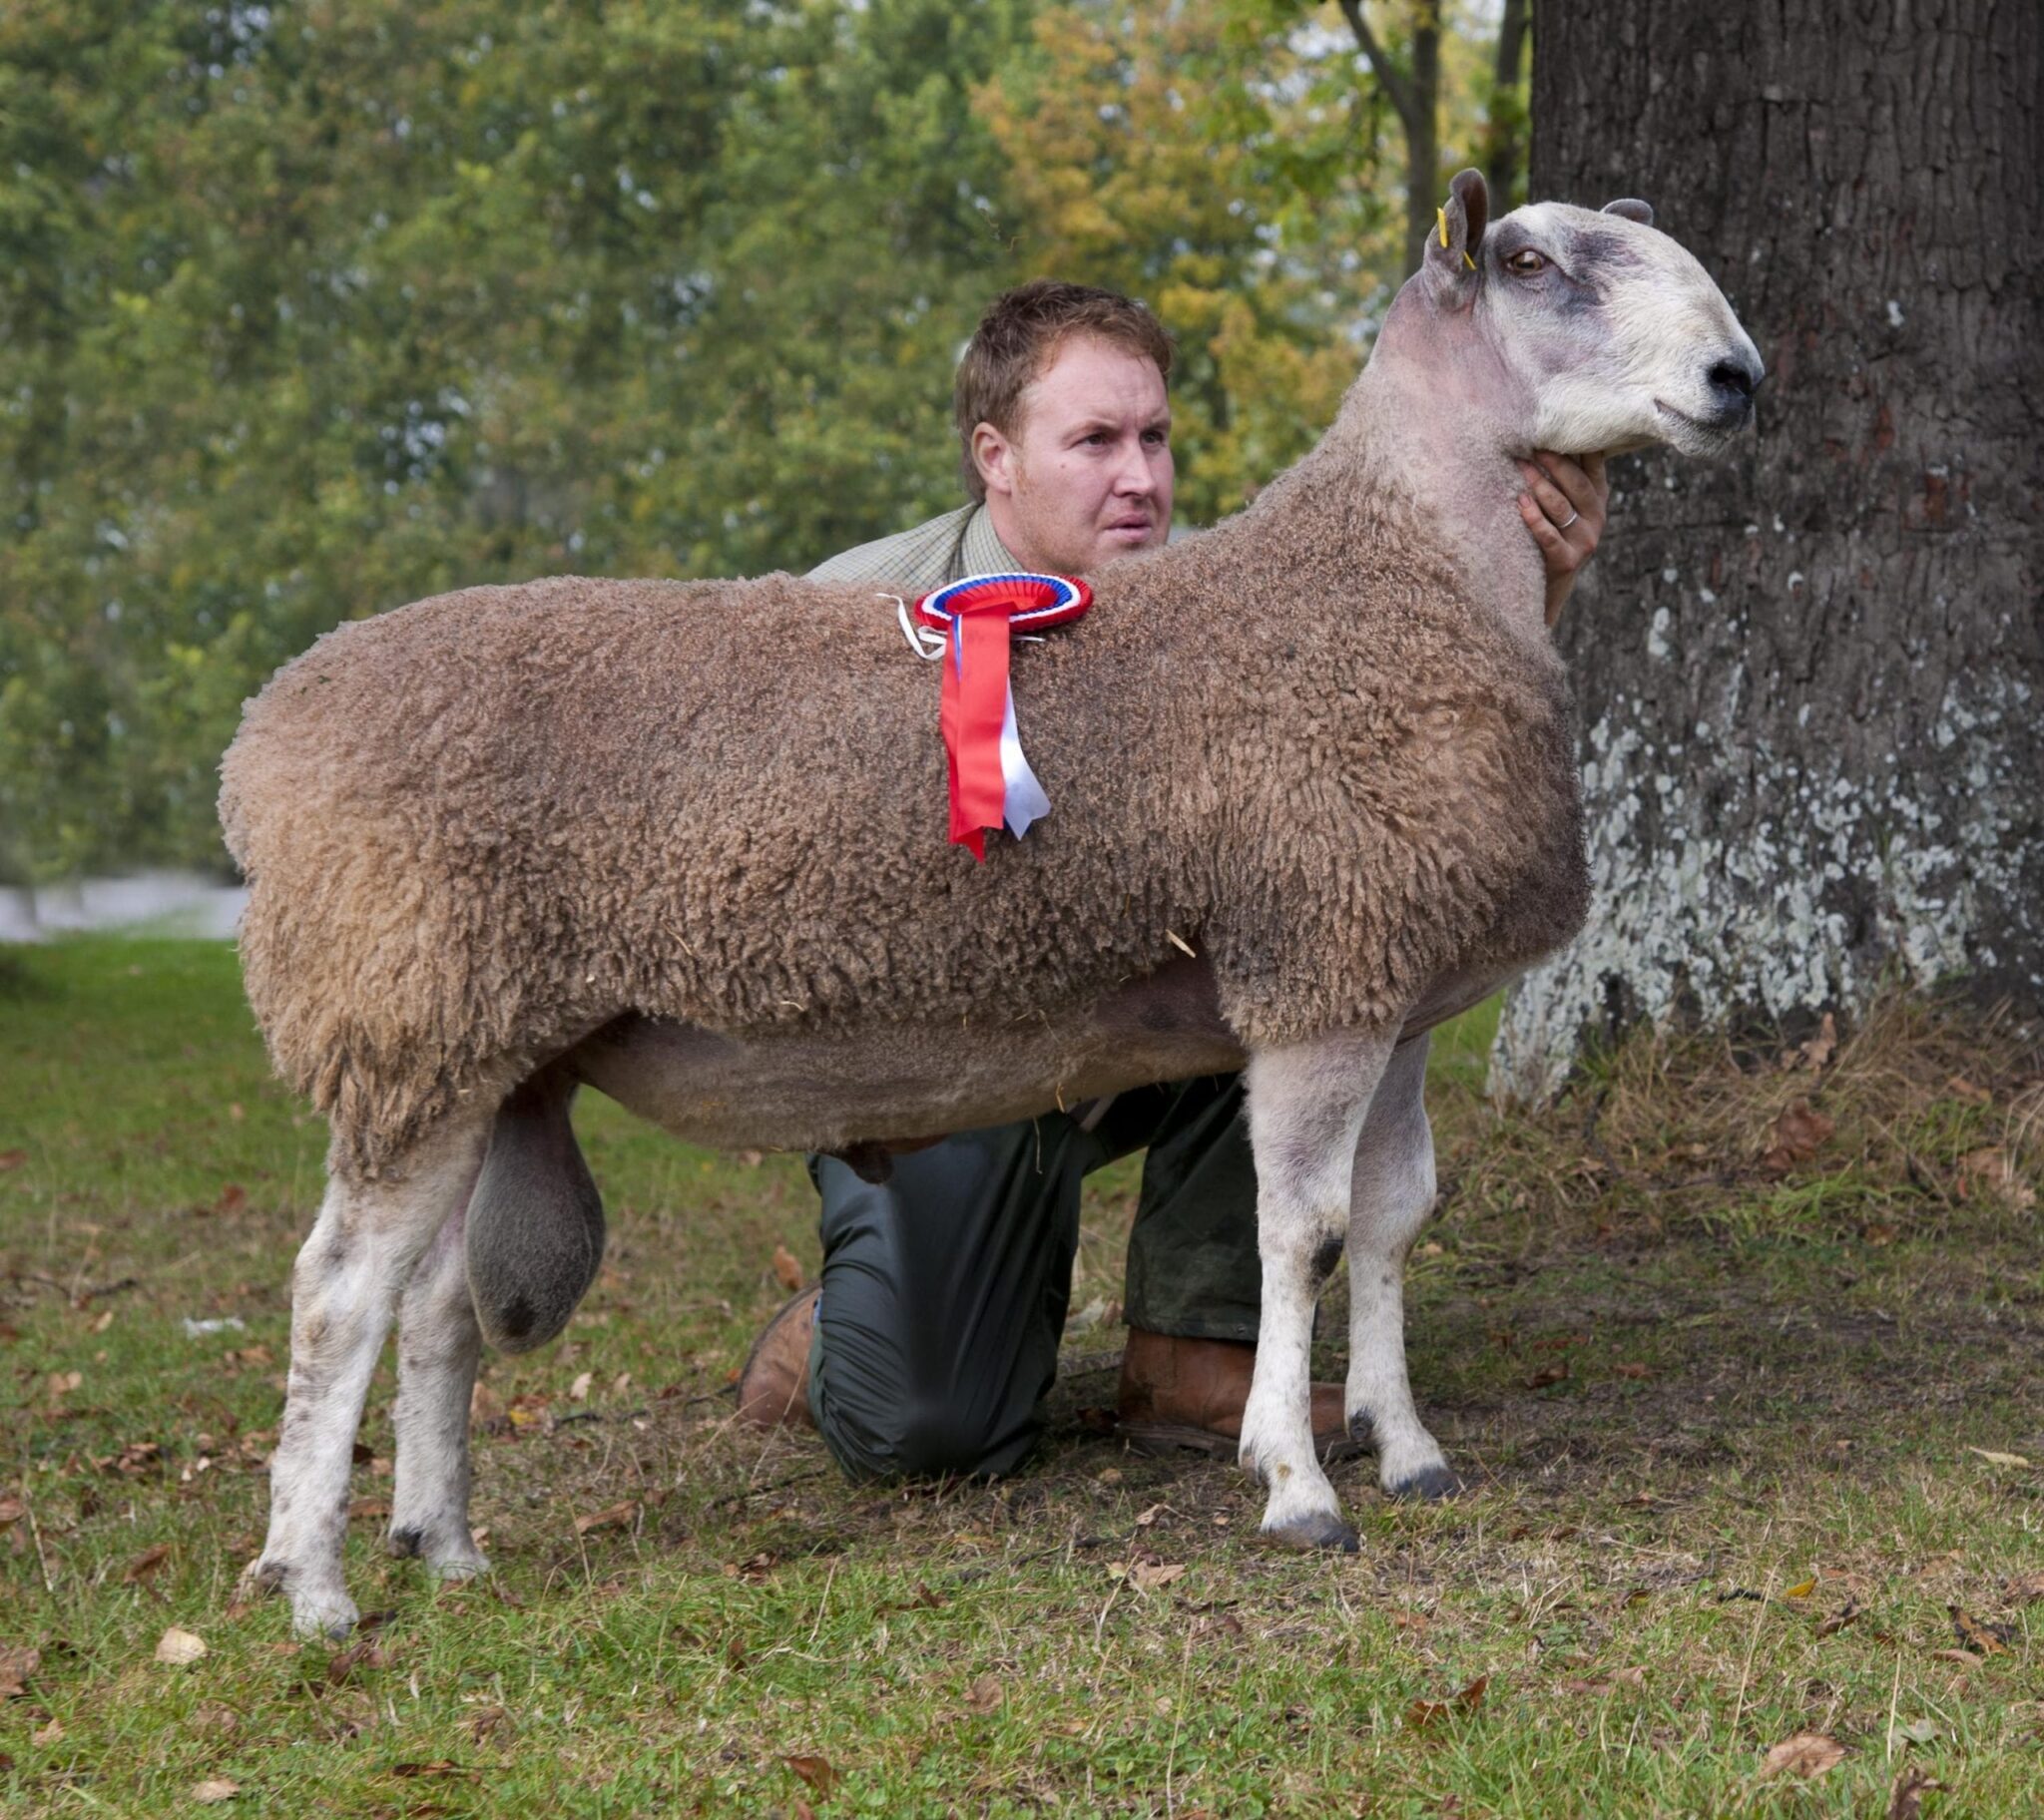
x: 686, y: 843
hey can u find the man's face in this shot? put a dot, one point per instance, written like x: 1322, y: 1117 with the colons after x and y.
x: 1087, y: 476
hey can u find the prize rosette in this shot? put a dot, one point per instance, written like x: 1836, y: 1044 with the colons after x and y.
x: 991, y: 784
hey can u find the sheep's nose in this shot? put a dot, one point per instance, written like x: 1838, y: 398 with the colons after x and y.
x: 1731, y: 383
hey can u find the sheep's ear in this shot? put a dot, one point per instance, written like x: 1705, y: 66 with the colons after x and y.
x: 1451, y: 247
x: 1632, y: 210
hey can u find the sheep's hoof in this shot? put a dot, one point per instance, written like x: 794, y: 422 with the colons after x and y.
x: 1325, y: 1530
x: 1427, y: 1486
x: 258, y: 1579
x: 1363, y: 1428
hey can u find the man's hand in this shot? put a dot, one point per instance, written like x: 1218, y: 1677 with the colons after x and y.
x: 1564, y: 508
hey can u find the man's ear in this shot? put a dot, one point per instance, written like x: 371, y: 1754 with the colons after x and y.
x: 994, y: 456
x: 1451, y: 247
x: 1632, y: 210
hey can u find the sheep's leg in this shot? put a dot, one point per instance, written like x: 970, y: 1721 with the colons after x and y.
x: 1389, y: 1197
x: 363, y: 1248
x: 1308, y: 1106
x: 438, y: 1343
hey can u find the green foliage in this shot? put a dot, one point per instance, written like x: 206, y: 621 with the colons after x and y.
x: 309, y: 309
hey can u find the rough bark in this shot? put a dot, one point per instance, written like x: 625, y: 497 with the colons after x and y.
x: 1810, y: 680
x: 1504, y: 132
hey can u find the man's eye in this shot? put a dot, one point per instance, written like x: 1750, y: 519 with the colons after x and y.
x: 1525, y: 262
x: 1155, y: 438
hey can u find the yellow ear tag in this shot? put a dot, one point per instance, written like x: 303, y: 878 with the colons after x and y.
x: 1468, y: 262
x: 1441, y: 215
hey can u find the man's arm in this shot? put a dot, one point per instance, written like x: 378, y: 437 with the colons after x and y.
x: 1565, y: 509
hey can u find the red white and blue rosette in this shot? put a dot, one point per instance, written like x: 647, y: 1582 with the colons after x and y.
x: 991, y: 784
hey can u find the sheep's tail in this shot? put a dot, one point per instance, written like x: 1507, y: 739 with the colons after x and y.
x: 535, y: 1222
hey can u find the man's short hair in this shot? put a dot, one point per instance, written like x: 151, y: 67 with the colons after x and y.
x: 1019, y: 336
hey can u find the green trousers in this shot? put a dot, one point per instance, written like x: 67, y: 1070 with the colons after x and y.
x: 946, y: 1289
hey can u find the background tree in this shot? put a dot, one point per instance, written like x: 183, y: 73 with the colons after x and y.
x: 1811, y: 677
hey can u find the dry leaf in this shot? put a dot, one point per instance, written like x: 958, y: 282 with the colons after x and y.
x: 439, y: 1766
x: 1802, y: 1589
x: 1964, y: 1657
x: 16, y: 1666
x: 215, y: 1788
x: 12, y: 1510
x: 1422, y: 1713
x: 1839, y: 1618
x: 12, y: 1159
x: 343, y: 1666
x: 1819, y: 1050
x: 1797, y: 1135
x: 817, y: 1772
x: 614, y: 1517
x: 1994, y: 1459
x: 485, y: 1722
x: 1990, y: 1173
x: 232, y: 1198
x: 1634, y: 1368
x: 621, y: 1383
x: 1989, y: 1640
x: 788, y: 1271
x: 46, y: 1735
x: 578, y: 1392
x: 1548, y: 1374
x: 1808, y: 1754
x: 368, y: 1510
x: 1879, y: 1233
x: 1905, y: 1800
x: 2026, y: 1589
x: 985, y: 1693
x: 145, y: 1563
x: 484, y: 1406
x: 1144, y: 1519
x: 176, y: 1647
x: 1149, y: 1576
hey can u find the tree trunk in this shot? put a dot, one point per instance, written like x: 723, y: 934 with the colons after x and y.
x: 1811, y: 679
x: 1504, y: 132
x: 1413, y: 91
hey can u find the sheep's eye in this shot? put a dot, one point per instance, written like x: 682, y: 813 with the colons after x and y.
x: 1525, y: 262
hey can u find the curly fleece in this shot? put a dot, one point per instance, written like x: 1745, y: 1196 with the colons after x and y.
x: 481, y: 827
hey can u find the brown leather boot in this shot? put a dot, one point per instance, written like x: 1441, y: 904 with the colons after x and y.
x: 774, y: 1384
x: 1191, y: 1393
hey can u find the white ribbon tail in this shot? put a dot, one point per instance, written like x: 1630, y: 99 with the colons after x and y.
x: 1023, y: 799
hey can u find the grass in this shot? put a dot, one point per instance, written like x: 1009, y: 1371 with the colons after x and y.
x: 1728, y: 1402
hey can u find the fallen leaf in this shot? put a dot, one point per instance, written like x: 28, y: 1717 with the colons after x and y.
x: 232, y: 1198
x: 439, y: 1766
x: 1918, y: 1732
x: 1994, y: 1459
x: 46, y: 1735
x: 985, y: 1693
x: 1634, y: 1368
x: 485, y: 1722
x: 1422, y: 1713
x: 368, y: 1510
x: 1802, y: 1589
x: 528, y: 1409
x: 1905, y: 1799
x: 754, y: 1571
x: 215, y: 1788
x: 1819, y: 1050
x: 1839, y: 1618
x: 2026, y: 1589
x: 12, y: 1159
x: 613, y: 1516
x: 145, y: 1563
x: 1989, y: 1640
x: 234, y: 1111
x: 1797, y: 1135
x: 1548, y: 1374
x: 363, y: 1655
x: 1149, y: 1578
x: 1808, y: 1754
x: 578, y: 1392
x: 788, y: 1271
x: 176, y: 1647
x: 621, y: 1383
x: 817, y: 1772
x: 12, y: 1510
x: 1964, y: 1657
x: 1990, y: 1173
x: 16, y: 1666
x: 1879, y: 1234
x: 484, y: 1406
x: 1146, y: 1517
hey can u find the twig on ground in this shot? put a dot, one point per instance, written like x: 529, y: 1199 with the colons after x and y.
x: 762, y: 1491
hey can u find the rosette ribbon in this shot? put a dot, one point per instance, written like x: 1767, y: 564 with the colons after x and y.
x: 991, y: 783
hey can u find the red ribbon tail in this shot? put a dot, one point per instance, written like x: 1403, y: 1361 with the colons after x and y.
x: 974, y: 706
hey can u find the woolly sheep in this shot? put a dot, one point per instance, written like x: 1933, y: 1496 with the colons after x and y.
x: 686, y: 842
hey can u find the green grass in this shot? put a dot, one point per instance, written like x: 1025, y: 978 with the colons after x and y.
x: 1770, y: 1379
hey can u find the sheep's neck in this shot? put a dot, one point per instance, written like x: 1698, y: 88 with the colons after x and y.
x: 1431, y: 426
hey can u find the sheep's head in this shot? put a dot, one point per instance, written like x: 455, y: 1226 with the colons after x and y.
x: 1612, y: 335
